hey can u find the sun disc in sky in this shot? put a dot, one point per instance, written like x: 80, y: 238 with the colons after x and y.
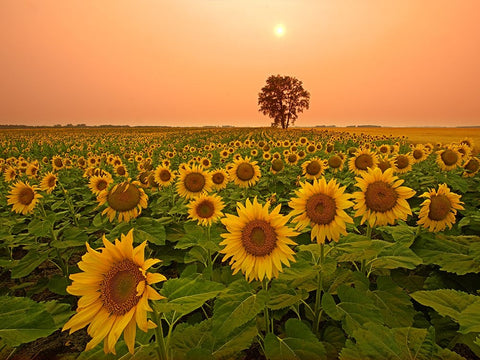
x: 279, y: 30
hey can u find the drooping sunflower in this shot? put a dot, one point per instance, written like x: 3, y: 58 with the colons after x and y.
x: 194, y: 181
x: 439, y: 208
x: 245, y: 173
x: 257, y: 241
x: 471, y: 167
x: 99, y: 183
x: 206, y: 209
x: 219, y: 179
x: 402, y: 163
x: 449, y: 158
x: 127, y: 199
x: 114, y: 288
x: 313, y: 168
x: 322, y: 206
x: 381, y: 200
x: 23, y: 197
x: 362, y: 160
x: 49, y: 182
x: 163, y: 175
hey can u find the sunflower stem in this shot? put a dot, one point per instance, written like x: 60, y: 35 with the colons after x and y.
x: 159, y: 339
x: 69, y: 203
x: 318, y: 295
x: 265, y: 311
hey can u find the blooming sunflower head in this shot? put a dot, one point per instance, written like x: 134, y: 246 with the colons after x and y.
x: 49, y: 182
x: 163, y: 175
x: 322, y: 206
x: 114, y: 288
x: 277, y: 166
x: 449, y: 158
x: 402, y: 163
x: 23, y: 197
x: 335, y: 163
x: 206, y: 209
x: 419, y: 153
x: 193, y: 181
x: 10, y: 174
x: 97, y: 184
x: 245, y: 173
x: 257, y: 241
x: 471, y: 167
x: 362, y: 160
x: 381, y: 200
x: 57, y: 163
x: 127, y: 199
x: 219, y: 179
x: 439, y: 209
x: 313, y: 168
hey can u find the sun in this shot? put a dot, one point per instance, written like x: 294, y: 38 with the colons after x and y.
x: 279, y: 30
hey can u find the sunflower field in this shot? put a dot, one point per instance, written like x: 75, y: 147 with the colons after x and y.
x: 169, y: 243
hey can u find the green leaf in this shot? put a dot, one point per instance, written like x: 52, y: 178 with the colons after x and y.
x: 235, y: 307
x: 23, y: 320
x: 469, y: 318
x: 395, y: 256
x: 184, y: 295
x: 376, y: 341
x: 446, y: 302
x: 60, y: 312
x: 282, y: 296
x: 39, y: 227
x: 28, y: 263
x: 354, y: 309
x: 239, y: 340
x: 58, y: 284
x: 299, y: 343
x: 455, y: 254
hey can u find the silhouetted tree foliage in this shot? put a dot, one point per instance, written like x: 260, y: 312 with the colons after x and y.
x: 282, y: 99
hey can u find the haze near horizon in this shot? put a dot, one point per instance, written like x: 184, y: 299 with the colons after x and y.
x: 203, y: 62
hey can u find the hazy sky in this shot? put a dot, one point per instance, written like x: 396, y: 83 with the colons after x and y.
x: 203, y: 62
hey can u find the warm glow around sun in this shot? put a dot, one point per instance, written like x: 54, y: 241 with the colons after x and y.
x: 279, y: 30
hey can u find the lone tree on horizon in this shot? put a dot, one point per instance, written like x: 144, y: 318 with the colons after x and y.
x: 282, y: 99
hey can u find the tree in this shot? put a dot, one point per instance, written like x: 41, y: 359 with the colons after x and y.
x: 282, y: 99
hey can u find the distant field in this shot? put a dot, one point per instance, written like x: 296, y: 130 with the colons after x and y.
x: 421, y: 135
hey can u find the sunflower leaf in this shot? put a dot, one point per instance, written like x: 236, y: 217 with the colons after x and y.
x: 299, y: 343
x: 23, y: 320
x: 29, y: 262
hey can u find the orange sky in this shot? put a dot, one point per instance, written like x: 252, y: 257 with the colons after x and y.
x: 203, y: 62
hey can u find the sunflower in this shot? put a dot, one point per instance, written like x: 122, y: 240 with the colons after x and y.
x: 419, y: 153
x: 449, y: 158
x: 257, y: 241
x: 205, y: 162
x: 362, y: 160
x: 57, y: 163
x: 245, y: 173
x: 23, y: 197
x: 114, y: 288
x: 277, y: 166
x: 384, y: 163
x: 99, y: 183
x: 127, y: 199
x: 402, y: 163
x: 206, y: 209
x: 219, y: 179
x: 193, y: 182
x: 121, y: 170
x: 163, y: 175
x: 335, y: 163
x: 32, y: 170
x: 10, y: 174
x: 471, y: 167
x: 49, y: 182
x: 439, y: 209
x: 383, y: 149
x: 382, y: 199
x: 322, y: 205
x: 313, y: 168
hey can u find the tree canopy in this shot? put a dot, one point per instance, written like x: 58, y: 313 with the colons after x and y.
x: 282, y: 98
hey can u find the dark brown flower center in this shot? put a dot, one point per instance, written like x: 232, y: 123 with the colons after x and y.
x: 363, y: 161
x: 384, y: 165
x: 384, y: 149
x: 205, y: 162
x: 335, y: 162
x: 118, y: 288
x: 321, y: 209
x: 380, y: 196
x: 245, y: 171
x: 26, y: 196
x: 313, y: 168
x: 51, y: 181
x: 194, y: 182
x: 259, y: 238
x: 449, y: 157
x: 165, y: 175
x: 205, y: 209
x: 401, y: 161
x: 417, y: 154
x: 124, y: 197
x: 277, y: 165
x: 292, y: 158
x: 311, y: 148
x: 218, y: 178
x: 472, y: 165
x: 121, y: 170
x: 102, y: 184
x: 439, y: 207
x: 58, y: 162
